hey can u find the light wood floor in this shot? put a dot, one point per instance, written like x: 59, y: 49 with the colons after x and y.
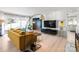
x: 6, y: 45
x: 49, y: 43
x: 52, y: 43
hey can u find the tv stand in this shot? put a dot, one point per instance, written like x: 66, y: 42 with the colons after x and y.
x: 50, y: 31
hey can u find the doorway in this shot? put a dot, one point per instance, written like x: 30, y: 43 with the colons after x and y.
x: 37, y: 24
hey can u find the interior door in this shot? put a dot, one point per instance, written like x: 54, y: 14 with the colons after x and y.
x: 37, y: 24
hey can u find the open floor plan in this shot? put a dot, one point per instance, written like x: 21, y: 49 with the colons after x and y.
x: 39, y: 29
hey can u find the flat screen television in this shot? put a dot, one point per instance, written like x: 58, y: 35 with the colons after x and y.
x: 50, y: 23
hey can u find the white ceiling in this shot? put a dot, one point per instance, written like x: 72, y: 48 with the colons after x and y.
x: 35, y: 10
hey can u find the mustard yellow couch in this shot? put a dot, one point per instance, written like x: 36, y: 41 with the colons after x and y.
x: 20, y: 39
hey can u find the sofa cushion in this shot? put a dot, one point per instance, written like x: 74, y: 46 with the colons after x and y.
x: 18, y: 31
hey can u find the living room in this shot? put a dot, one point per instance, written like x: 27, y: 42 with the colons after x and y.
x: 38, y: 29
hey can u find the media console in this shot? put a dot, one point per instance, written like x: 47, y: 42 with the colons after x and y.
x: 50, y: 31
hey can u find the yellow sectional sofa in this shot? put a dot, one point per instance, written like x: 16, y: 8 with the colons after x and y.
x: 21, y: 39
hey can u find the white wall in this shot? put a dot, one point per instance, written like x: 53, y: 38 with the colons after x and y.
x: 55, y: 15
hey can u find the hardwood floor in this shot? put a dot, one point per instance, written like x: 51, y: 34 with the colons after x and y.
x: 49, y: 43
x: 6, y: 45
